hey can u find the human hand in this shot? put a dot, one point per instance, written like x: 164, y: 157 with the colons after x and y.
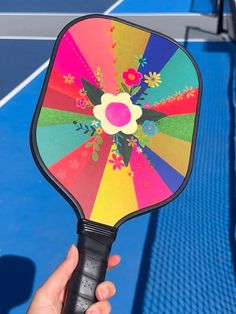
x: 49, y: 297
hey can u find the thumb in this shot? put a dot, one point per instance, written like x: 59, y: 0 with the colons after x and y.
x: 56, y: 283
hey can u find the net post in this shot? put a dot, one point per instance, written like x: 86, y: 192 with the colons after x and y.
x: 220, y: 14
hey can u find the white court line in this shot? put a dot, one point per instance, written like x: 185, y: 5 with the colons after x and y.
x: 113, y: 7
x: 30, y: 78
x: 18, y: 88
x: 28, y: 37
x: 39, y: 14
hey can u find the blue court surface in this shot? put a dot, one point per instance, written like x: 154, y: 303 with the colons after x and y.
x: 181, y: 259
x: 72, y: 6
x: 172, y: 6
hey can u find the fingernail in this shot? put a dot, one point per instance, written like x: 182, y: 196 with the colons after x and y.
x: 69, y: 253
x: 95, y: 311
x: 103, y: 293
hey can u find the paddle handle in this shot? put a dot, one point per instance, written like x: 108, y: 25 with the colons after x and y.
x: 95, y: 241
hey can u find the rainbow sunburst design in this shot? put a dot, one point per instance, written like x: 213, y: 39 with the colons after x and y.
x: 116, y: 164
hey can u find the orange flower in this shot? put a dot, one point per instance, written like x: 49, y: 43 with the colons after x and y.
x: 69, y: 79
x: 132, y: 141
x: 99, y: 130
x: 130, y: 173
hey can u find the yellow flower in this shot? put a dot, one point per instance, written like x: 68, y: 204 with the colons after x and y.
x: 117, y: 113
x: 99, y: 130
x: 69, y: 79
x: 153, y: 79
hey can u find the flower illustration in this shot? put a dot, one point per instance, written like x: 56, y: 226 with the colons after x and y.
x: 99, y: 130
x: 147, y: 105
x: 131, y: 141
x: 163, y: 101
x: 117, y: 162
x: 69, y: 79
x: 61, y: 174
x: 82, y: 92
x: 139, y: 150
x: 170, y: 99
x: 153, y: 79
x: 189, y: 92
x: 178, y: 96
x: 130, y: 173
x: 149, y: 127
x: 81, y: 103
x: 132, y: 77
x: 140, y: 60
x: 94, y: 123
x: 74, y: 164
x: 117, y: 113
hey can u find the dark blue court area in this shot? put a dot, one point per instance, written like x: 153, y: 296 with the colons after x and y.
x: 19, y: 58
x: 179, y: 260
x: 55, y: 6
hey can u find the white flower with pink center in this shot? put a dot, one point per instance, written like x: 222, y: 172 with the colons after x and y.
x: 117, y: 113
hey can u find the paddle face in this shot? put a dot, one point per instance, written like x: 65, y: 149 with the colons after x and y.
x: 115, y: 125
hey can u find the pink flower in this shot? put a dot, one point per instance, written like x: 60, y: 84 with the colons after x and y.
x: 147, y: 105
x: 132, y: 77
x: 81, y: 103
x: 117, y: 162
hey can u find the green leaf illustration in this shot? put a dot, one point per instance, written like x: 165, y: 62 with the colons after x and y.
x: 99, y: 139
x: 89, y: 144
x: 96, y: 147
x: 135, y: 90
x: 125, y: 88
x: 95, y: 156
x: 94, y: 93
x: 124, y: 150
x: 150, y: 115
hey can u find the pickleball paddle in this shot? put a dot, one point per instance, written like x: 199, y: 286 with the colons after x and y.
x: 114, y: 131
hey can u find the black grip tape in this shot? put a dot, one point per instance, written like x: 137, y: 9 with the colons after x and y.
x: 95, y: 241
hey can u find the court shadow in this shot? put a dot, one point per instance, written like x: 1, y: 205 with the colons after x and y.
x: 145, y: 265
x: 16, y: 281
